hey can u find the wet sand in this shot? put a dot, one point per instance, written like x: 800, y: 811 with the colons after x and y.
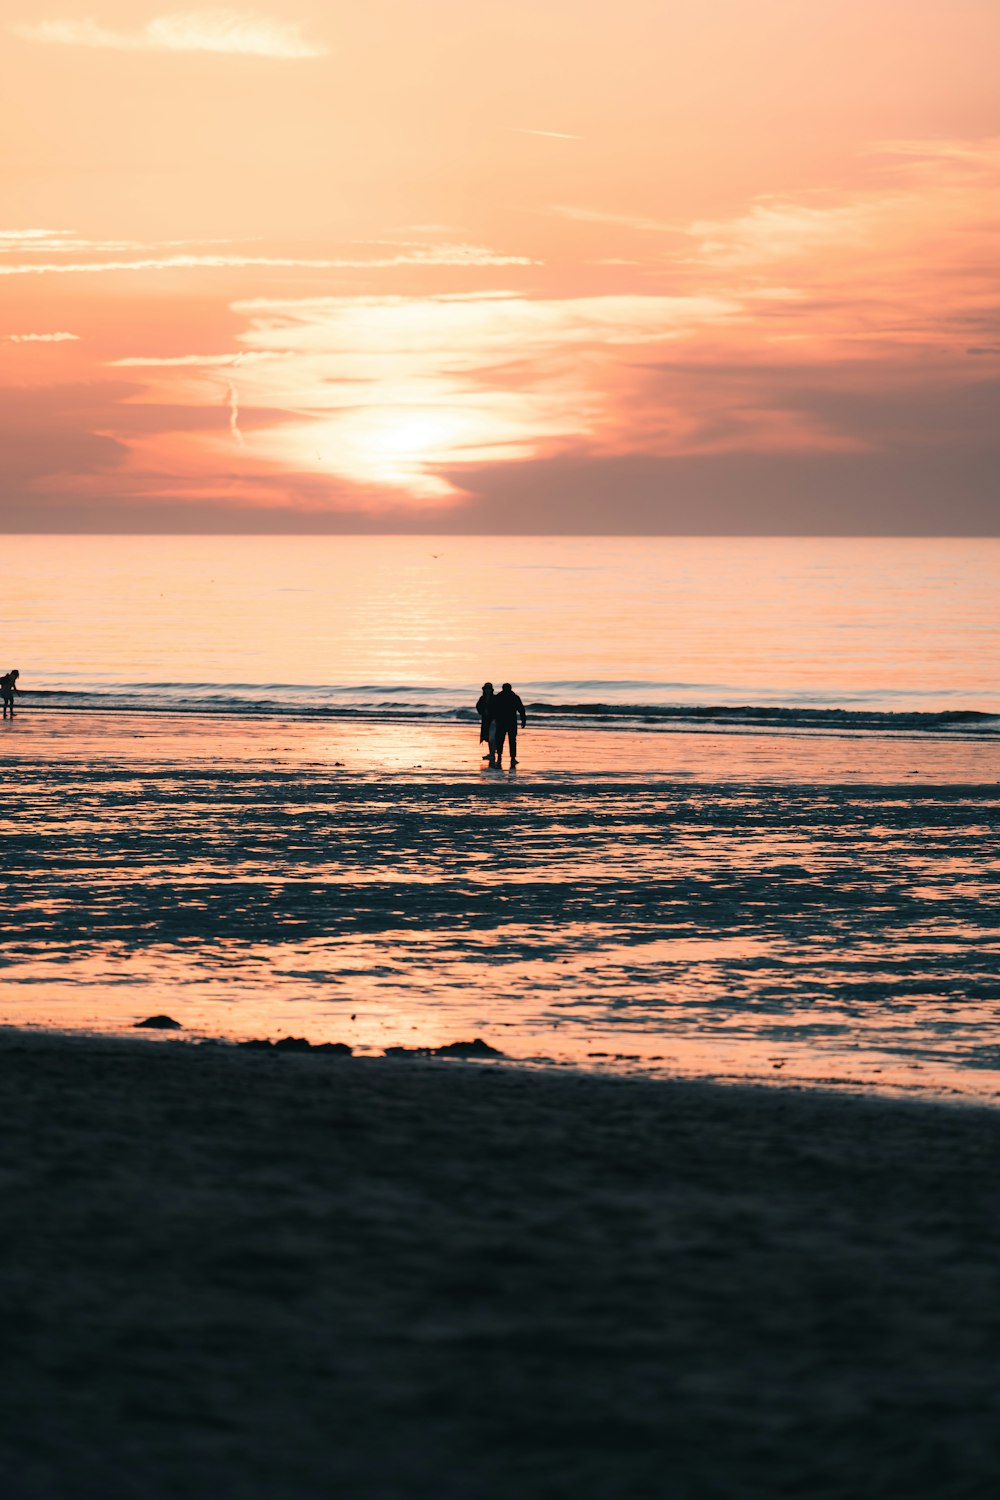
x: 254, y: 1275
x: 739, y: 906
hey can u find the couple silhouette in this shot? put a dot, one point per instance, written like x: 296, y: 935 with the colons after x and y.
x: 498, y: 716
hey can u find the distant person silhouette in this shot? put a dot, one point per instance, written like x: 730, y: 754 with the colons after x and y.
x: 507, y: 709
x: 8, y: 687
x: 487, y: 726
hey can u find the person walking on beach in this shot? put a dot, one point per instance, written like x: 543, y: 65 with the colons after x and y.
x: 487, y: 726
x: 507, y: 709
x: 8, y: 687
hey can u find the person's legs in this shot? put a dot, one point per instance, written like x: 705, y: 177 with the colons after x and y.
x: 501, y: 736
x: 513, y: 744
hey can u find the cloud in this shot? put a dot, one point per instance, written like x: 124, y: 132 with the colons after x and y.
x: 830, y: 325
x: 220, y: 31
x: 38, y: 338
x: 774, y: 229
x: 552, y: 135
x: 53, y: 430
x: 377, y: 396
x: 964, y: 155
x: 384, y: 392
x: 724, y: 494
x: 428, y: 255
x: 923, y: 202
x: 234, y: 412
x: 466, y: 332
x: 189, y: 361
x: 66, y: 242
x: 27, y: 239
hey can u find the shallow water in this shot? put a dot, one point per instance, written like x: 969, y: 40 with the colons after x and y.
x: 801, y: 906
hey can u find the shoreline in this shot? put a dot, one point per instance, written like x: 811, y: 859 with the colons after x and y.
x: 461, y: 1057
x: 972, y: 725
x: 700, y: 750
x: 231, y: 1272
x: 621, y: 1067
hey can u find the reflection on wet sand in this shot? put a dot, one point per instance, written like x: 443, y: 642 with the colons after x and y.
x: 732, y: 906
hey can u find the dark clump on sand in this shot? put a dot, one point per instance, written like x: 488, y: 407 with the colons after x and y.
x: 297, y: 1044
x: 232, y: 1273
x: 474, y: 1049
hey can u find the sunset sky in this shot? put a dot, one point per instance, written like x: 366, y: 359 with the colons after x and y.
x: 551, y: 266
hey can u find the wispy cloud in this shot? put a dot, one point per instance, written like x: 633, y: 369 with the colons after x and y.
x: 552, y: 135
x: 428, y: 255
x: 467, y: 330
x: 39, y: 338
x: 190, y: 361
x: 234, y: 413
x: 19, y: 239
x: 773, y: 229
x: 223, y: 31
x: 918, y: 198
x: 68, y: 242
x: 977, y: 155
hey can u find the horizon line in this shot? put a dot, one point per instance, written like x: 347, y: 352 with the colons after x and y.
x: 831, y: 536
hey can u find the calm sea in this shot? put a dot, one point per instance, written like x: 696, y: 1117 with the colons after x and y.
x: 600, y: 627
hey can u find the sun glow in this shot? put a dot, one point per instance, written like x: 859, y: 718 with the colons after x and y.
x: 397, y: 449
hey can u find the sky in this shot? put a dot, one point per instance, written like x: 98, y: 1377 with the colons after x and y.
x: 547, y: 266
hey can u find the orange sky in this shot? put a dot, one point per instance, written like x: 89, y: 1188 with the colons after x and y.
x: 546, y: 266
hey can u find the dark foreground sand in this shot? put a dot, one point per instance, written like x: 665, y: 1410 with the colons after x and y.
x: 233, y: 1275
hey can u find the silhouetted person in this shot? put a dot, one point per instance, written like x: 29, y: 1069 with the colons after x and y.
x: 8, y: 687
x: 507, y: 709
x: 487, y: 727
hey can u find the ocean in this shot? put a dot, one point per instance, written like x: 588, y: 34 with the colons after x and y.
x: 594, y: 628
x: 752, y: 834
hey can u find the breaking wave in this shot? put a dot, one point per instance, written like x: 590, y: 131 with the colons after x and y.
x: 618, y: 707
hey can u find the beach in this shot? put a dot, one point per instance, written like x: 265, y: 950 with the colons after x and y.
x: 708, y: 1207
x: 703, y: 1223
x: 252, y: 1274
